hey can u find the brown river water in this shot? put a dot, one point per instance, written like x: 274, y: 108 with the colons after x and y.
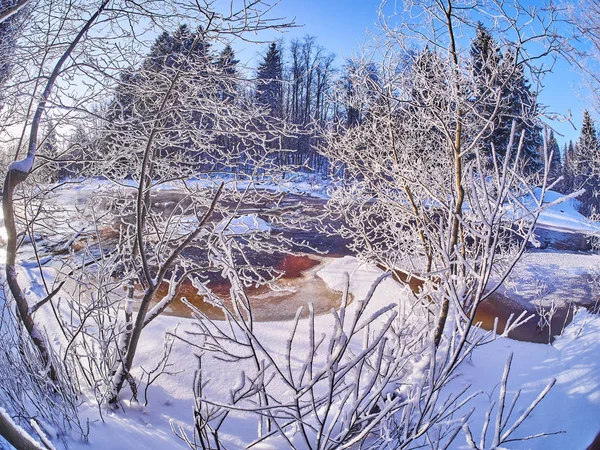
x: 298, y: 287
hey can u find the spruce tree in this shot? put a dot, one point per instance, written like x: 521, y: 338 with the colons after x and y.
x: 227, y: 90
x: 495, y: 73
x: 226, y: 61
x: 170, y: 49
x: 586, y: 150
x: 586, y: 153
x: 133, y: 105
x: 522, y: 106
x: 269, y: 75
x: 353, y: 112
x: 568, y: 172
x: 227, y: 65
x: 485, y: 55
x: 486, y: 61
x: 556, y: 169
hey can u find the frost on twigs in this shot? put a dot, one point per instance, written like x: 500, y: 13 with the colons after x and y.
x: 26, y: 391
x: 499, y: 430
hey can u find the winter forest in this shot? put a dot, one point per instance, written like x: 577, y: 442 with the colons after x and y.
x: 217, y: 233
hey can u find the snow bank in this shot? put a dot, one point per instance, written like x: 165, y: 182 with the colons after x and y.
x: 571, y: 406
x: 564, y: 216
x: 243, y: 224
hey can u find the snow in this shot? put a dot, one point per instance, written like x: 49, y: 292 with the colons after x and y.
x: 572, y: 405
x: 243, y: 224
x: 26, y: 437
x: 294, y: 183
x: 547, y: 278
x: 564, y: 216
x: 24, y: 165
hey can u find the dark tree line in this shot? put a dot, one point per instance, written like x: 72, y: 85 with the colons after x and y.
x: 300, y: 86
x: 501, y: 83
x: 296, y: 82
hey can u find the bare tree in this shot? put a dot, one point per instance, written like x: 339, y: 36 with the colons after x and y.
x: 18, y: 172
x: 171, y: 137
x: 421, y: 195
x: 12, y: 9
x: 423, y: 198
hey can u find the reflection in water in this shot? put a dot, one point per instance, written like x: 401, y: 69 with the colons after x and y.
x: 502, y: 307
x: 298, y: 287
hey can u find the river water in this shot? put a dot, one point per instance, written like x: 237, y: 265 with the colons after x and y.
x: 547, y: 284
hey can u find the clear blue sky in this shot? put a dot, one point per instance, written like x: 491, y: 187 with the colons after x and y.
x: 340, y: 27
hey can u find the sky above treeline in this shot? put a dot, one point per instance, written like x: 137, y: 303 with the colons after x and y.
x: 342, y: 27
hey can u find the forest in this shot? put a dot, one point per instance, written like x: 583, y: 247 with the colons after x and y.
x: 395, y: 249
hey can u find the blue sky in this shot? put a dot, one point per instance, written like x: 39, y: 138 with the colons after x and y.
x: 340, y: 27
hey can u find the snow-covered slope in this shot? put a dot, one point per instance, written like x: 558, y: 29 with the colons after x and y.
x: 564, y: 216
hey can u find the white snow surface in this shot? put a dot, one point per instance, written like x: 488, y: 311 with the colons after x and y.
x: 243, y: 224
x: 573, y: 405
x: 545, y: 278
x: 18, y: 428
x: 23, y: 165
x: 564, y: 216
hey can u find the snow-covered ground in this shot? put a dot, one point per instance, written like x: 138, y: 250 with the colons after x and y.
x: 549, y: 277
x: 572, y: 406
x: 563, y: 216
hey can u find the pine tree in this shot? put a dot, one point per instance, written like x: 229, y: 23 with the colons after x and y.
x: 485, y: 55
x: 182, y: 51
x: 568, y: 173
x: 486, y: 61
x: 269, y: 91
x: 170, y: 49
x: 227, y: 65
x: 586, y: 149
x: 226, y: 60
x: 523, y: 107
